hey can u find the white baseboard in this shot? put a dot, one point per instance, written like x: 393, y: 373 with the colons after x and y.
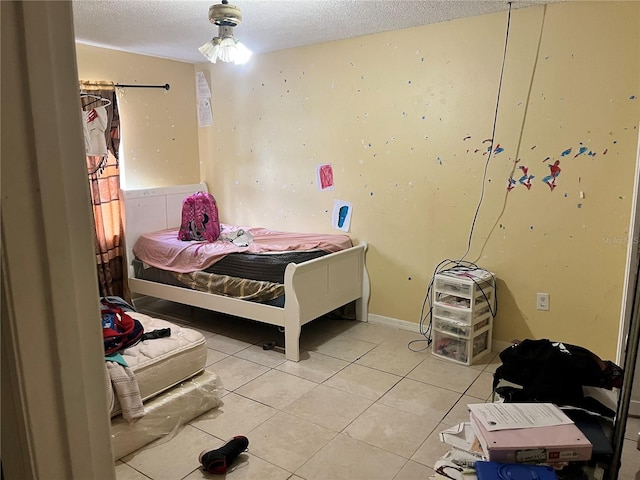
x: 394, y: 323
x: 496, y: 345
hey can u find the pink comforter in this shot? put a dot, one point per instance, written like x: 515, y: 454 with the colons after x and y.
x: 163, y: 249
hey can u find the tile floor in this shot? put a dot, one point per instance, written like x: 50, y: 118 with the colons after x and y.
x: 359, y: 405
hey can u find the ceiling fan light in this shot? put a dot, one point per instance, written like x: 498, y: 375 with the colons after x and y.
x: 243, y: 54
x: 210, y: 49
x: 227, y: 49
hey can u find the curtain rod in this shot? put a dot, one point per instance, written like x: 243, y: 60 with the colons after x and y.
x: 111, y: 85
x: 166, y: 86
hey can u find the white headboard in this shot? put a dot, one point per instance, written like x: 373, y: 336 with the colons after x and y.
x: 152, y: 209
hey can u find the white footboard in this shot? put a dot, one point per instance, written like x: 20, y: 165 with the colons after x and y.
x: 321, y: 285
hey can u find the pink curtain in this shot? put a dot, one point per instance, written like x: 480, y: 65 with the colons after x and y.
x: 104, y: 184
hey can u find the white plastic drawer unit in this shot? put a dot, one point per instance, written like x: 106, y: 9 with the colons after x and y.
x: 461, y: 350
x: 462, y: 314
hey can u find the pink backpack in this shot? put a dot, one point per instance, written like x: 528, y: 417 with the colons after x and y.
x: 199, y: 218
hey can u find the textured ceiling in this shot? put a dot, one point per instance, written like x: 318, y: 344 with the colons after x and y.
x: 175, y: 29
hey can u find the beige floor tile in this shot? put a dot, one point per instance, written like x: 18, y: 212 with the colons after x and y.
x: 630, y: 468
x: 226, y: 344
x: 372, y: 443
x: 391, y: 429
x: 368, y: 332
x: 276, y: 389
x: 268, y: 358
x: 407, y: 339
x: 345, y: 458
x: 432, y: 448
x: 481, y: 386
x: 246, y: 467
x: 363, y: 381
x: 288, y: 441
x: 235, y: 372
x: 460, y: 412
x: 342, y: 347
x: 214, y: 356
x: 444, y: 374
x: 488, y: 363
x: 414, y: 471
x: 633, y: 428
x: 236, y: 416
x: 328, y: 407
x: 125, y: 472
x: 390, y: 359
x: 312, y: 337
x: 421, y: 399
x: 313, y: 366
x: 174, y: 459
x: 328, y: 324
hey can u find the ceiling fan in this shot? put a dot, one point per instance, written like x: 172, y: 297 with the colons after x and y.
x: 225, y: 46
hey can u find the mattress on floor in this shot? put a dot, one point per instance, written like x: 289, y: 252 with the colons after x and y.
x: 161, y: 363
x: 166, y: 413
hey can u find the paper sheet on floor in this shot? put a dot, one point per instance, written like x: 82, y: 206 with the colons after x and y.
x: 507, y: 416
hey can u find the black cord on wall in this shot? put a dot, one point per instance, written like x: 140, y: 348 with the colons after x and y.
x: 460, y: 265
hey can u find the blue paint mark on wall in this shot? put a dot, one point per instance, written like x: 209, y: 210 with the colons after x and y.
x: 581, y: 151
x: 566, y: 152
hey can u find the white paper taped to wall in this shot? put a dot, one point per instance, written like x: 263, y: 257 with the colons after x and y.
x: 202, y: 87
x: 205, y: 116
x: 341, y: 218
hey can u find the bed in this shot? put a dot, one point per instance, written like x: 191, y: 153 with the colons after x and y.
x: 311, y: 289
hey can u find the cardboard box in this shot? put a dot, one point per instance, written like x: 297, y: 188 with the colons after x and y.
x: 557, y: 443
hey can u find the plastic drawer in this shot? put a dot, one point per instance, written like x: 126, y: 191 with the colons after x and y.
x: 465, y: 284
x: 457, y: 314
x: 482, y: 298
x: 460, y: 329
x: 461, y: 350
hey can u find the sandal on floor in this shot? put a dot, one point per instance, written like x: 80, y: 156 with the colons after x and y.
x: 220, y: 459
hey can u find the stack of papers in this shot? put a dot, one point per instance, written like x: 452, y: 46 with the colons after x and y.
x: 528, y: 433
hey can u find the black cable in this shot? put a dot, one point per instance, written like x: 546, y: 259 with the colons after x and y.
x: 462, y: 264
x: 493, y: 134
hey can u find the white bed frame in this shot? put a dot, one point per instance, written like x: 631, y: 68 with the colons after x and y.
x: 312, y: 288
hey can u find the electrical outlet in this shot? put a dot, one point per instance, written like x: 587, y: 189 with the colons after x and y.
x: 542, y: 301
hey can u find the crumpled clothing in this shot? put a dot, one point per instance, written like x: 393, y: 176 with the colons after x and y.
x: 240, y: 238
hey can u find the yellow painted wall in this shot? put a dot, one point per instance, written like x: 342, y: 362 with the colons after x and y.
x: 160, y: 132
x: 403, y: 118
